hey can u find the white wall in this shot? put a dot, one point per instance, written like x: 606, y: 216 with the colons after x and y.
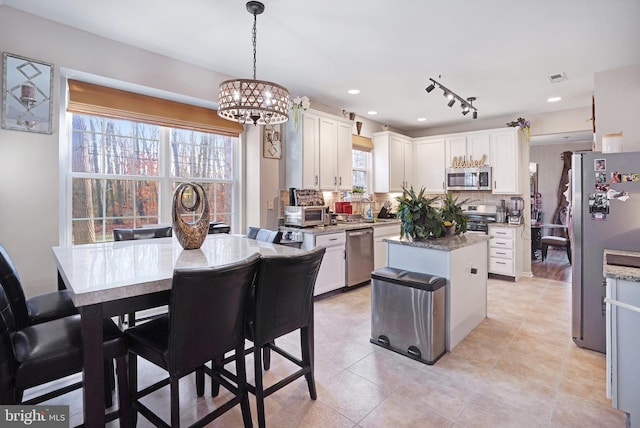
x: 617, y: 95
x: 29, y: 162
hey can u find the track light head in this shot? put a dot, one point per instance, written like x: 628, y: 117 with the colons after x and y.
x: 451, y: 102
x: 465, y: 112
x: 452, y: 97
x: 430, y: 88
x: 475, y: 114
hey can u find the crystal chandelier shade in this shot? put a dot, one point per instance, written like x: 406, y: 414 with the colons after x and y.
x: 250, y: 100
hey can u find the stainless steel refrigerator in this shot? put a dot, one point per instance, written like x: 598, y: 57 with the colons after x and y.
x: 605, y: 213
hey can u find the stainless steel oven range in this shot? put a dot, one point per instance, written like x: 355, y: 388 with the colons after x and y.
x: 479, y: 217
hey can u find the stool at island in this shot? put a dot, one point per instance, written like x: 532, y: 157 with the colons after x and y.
x: 408, y: 313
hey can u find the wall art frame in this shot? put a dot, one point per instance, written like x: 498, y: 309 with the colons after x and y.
x: 27, y: 94
x: 271, y: 142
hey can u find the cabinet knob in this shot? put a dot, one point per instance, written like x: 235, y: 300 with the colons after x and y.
x: 316, y: 179
x: 335, y: 181
x: 341, y: 181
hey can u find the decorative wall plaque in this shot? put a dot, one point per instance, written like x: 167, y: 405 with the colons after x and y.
x: 27, y: 87
x: 272, y: 146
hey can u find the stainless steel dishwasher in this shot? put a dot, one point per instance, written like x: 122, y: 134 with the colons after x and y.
x: 359, y: 256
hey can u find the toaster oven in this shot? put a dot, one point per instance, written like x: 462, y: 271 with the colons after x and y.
x: 304, y: 216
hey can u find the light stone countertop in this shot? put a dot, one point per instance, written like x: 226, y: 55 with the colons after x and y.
x: 107, y: 271
x: 323, y: 230
x: 447, y: 243
x: 620, y: 272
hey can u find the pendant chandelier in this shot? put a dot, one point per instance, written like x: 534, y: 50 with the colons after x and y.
x: 250, y: 100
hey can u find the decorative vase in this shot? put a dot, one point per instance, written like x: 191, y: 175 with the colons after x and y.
x: 190, y: 235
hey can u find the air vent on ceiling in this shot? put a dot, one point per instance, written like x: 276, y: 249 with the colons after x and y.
x: 557, y: 78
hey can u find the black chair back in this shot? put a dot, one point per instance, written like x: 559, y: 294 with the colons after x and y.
x: 7, y: 357
x: 284, y: 294
x: 266, y: 235
x: 207, y: 312
x: 252, y: 232
x: 10, y: 281
x: 142, y: 233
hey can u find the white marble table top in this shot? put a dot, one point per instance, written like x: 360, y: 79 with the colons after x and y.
x: 97, y: 273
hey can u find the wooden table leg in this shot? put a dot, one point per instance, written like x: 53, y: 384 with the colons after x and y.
x: 93, y: 373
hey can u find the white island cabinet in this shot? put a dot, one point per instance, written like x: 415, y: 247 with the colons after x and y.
x: 462, y: 261
x: 380, y: 233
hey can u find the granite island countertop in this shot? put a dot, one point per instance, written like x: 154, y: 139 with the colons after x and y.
x: 447, y: 243
x: 620, y: 272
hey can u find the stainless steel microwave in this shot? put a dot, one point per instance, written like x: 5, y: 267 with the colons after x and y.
x: 304, y: 216
x: 468, y: 178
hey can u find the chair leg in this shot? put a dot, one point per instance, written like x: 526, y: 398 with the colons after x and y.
x: 175, y: 402
x: 306, y: 343
x: 200, y: 381
x: 216, y: 365
x: 266, y: 356
x: 569, y: 251
x: 132, y: 363
x: 108, y: 383
x: 257, y: 365
x: 545, y: 247
x: 124, y: 401
x: 241, y: 372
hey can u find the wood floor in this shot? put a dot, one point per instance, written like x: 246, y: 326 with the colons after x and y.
x: 556, y: 266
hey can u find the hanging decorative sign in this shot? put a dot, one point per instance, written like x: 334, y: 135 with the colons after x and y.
x: 462, y: 162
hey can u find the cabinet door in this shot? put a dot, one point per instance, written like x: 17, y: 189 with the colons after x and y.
x: 331, y: 275
x: 479, y: 146
x: 396, y: 164
x: 310, y: 152
x: 328, y: 145
x: 407, y: 154
x: 504, y: 156
x: 429, y: 171
x: 456, y: 147
x: 344, y: 157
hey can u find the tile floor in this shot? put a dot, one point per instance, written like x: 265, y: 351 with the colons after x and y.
x: 519, y: 368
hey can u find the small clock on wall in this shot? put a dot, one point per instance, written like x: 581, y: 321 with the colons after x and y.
x: 272, y: 146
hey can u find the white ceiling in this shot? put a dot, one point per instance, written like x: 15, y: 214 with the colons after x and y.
x: 500, y: 51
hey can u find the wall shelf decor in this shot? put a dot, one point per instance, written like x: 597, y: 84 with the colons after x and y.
x: 27, y: 87
x: 272, y: 146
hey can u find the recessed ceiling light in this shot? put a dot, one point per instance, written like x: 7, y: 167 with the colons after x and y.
x: 372, y: 112
x: 553, y: 99
x: 422, y: 119
x: 353, y: 91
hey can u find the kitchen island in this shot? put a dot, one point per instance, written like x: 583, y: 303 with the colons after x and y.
x: 462, y: 261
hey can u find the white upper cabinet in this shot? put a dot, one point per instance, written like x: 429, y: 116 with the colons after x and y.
x: 302, y: 148
x: 468, y: 148
x: 429, y: 170
x: 392, y: 162
x: 505, y: 155
x: 319, y: 153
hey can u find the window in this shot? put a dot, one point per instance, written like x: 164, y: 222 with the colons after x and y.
x: 121, y: 171
x: 360, y: 166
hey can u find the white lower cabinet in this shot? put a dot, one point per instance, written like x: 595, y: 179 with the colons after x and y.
x: 503, y: 250
x: 331, y: 275
x: 380, y: 233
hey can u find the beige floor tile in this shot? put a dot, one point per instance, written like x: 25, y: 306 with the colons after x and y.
x: 576, y: 412
x: 487, y: 412
x: 397, y: 411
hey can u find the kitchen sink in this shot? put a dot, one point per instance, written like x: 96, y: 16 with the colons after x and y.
x: 623, y: 260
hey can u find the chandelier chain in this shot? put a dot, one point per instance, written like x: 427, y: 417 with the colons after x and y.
x: 253, y: 40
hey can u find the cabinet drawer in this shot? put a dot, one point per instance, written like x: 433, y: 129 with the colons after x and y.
x: 390, y: 230
x: 501, y: 232
x: 501, y: 266
x: 501, y: 253
x: 331, y: 239
x: 501, y: 243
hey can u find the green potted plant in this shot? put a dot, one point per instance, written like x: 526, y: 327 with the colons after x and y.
x: 452, y: 216
x: 420, y: 220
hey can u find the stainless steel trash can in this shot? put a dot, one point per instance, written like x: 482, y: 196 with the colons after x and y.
x: 408, y: 313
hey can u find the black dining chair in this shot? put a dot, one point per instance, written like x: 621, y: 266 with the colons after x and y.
x: 37, y: 309
x: 135, y: 234
x: 122, y: 234
x: 206, y: 320
x: 282, y: 302
x: 264, y: 235
x: 52, y: 350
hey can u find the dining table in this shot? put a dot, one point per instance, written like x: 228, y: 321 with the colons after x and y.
x: 113, y: 278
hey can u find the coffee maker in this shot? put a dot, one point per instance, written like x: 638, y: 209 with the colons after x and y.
x: 516, y: 211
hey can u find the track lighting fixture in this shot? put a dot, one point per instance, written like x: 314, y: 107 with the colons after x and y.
x: 467, y: 105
